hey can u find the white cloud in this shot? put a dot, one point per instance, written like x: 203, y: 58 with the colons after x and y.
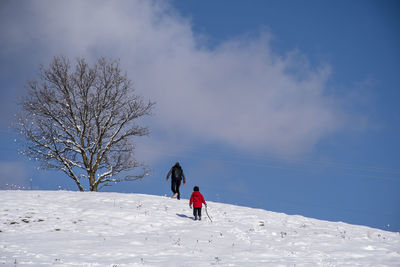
x: 240, y: 93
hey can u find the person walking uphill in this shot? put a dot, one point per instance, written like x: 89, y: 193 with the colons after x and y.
x: 177, y: 175
x: 197, y: 200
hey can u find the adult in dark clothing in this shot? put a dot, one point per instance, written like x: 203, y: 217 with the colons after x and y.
x: 177, y: 175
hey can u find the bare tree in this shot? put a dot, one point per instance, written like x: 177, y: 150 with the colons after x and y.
x: 82, y: 121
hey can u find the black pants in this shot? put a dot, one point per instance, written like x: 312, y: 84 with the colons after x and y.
x: 175, y: 184
x: 197, y: 213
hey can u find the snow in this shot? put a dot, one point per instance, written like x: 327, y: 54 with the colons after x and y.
x: 62, y: 228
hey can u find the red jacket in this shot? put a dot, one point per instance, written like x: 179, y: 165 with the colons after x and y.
x: 197, y: 199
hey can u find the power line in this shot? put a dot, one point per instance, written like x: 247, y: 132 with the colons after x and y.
x: 372, y: 173
x: 275, y: 162
x: 296, y: 161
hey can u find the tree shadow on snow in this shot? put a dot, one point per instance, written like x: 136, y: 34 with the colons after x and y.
x: 184, y: 216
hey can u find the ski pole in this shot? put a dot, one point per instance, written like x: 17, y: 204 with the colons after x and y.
x: 207, y: 214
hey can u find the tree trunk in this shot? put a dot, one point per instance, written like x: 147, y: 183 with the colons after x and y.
x: 92, y: 180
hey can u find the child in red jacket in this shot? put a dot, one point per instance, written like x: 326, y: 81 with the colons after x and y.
x: 197, y: 200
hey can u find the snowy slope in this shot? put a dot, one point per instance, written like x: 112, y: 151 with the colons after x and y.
x: 60, y: 228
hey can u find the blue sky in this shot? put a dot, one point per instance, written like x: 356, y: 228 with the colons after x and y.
x: 290, y: 106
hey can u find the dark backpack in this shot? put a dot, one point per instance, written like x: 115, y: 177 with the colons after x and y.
x: 176, y: 172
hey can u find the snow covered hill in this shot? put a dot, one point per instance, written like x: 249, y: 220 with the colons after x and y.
x: 61, y: 228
